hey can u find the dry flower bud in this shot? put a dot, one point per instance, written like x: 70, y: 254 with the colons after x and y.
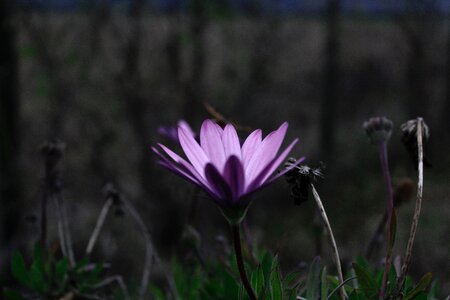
x: 378, y: 129
x: 409, y: 139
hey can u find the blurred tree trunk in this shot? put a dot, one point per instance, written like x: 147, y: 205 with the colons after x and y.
x: 9, y: 131
x: 331, y: 88
x: 194, y: 89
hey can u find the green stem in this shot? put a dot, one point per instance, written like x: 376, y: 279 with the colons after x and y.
x: 235, y: 230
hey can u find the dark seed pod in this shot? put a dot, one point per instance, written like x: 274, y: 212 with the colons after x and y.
x: 409, y: 139
x: 300, y: 178
x: 378, y: 129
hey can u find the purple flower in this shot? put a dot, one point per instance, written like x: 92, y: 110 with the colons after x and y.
x: 171, y: 132
x: 224, y: 169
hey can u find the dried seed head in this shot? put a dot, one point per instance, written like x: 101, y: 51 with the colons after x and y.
x: 409, y: 139
x: 300, y: 178
x: 111, y: 192
x: 409, y: 129
x: 378, y: 129
x: 52, y: 151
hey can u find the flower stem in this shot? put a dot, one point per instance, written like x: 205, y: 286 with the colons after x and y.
x: 382, y: 148
x: 323, y: 214
x: 98, y: 227
x: 417, y: 209
x: 235, y: 230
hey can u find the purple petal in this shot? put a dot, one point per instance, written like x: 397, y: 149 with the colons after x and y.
x: 205, y: 188
x: 183, y: 164
x: 230, y: 141
x: 186, y: 127
x: 265, y: 153
x: 234, y: 176
x: 218, y: 184
x: 193, y: 151
x: 178, y: 169
x: 270, y: 168
x: 250, y: 145
x: 211, y: 142
x: 220, y: 129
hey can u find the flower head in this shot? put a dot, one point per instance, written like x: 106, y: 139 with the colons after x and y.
x: 171, y: 132
x: 224, y: 169
x: 409, y: 139
x: 378, y: 129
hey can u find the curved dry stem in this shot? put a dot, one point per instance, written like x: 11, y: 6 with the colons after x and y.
x: 149, y: 249
x: 98, y: 227
x: 111, y: 280
x: 337, y: 260
x: 415, y: 222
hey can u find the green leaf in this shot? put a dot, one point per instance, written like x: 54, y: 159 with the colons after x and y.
x: 157, y: 293
x: 266, y: 265
x: 79, y: 266
x: 12, y: 295
x: 357, y: 295
x: 230, y: 285
x: 420, y: 287
x: 39, y: 258
x: 95, y: 274
x: 313, y: 280
x: 257, y: 280
x: 362, y: 262
x: 365, y: 280
x: 37, y: 280
x: 61, y: 269
x: 276, y: 284
x: 19, y: 269
x: 392, y: 281
x: 291, y: 279
x: 434, y: 290
x: 323, y: 284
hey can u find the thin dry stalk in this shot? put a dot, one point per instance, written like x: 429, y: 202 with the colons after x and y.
x: 149, y: 249
x: 68, y: 236
x: 98, y: 227
x: 323, y: 214
x: 415, y: 222
x: 119, y: 281
x: 59, y: 217
x: 63, y: 230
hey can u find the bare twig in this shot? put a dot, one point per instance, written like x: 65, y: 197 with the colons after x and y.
x: 113, y: 279
x: 66, y: 229
x: 98, y: 227
x: 412, y: 234
x: 149, y: 250
x: 62, y: 237
x: 323, y: 214
x: 53, y: 151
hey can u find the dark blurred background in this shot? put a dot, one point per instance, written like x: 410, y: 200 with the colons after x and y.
x: 102, y: 76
